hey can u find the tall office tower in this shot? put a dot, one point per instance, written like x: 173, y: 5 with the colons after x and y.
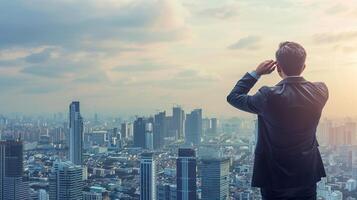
x: 206, y: 126
x: 214, y: 126
x: 186, y: 174
x: 193, y: 127
x: 130, y: 133
x: 147, y: 177
x: 166, y: 192
x: 42, y: 195
x: 160, y: 129
x: 171, y: 132
x: 149, y: 136
x: 75, y: 134
x: 124, y: 130
x: 2, y: 168
x: 139, y: 132
x: 16, y: 188
x: 215, y: 178
x: 115, y: 138
x: 66, y: 181
x: 13, y: 184
x: 96, y: 119
x: 178, y: 117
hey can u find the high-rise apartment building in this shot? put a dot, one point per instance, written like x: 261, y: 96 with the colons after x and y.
x: 149, y: 136
x: 215, y: 178
x: 160, y: 129
x: 193, y: 127
x: 75, y: 134
x: 147, y: 177
x: 13, y: 185
x: 178, y: 117
x: 186, y: 174
x: 166, y: 192
x: 66, y: 181
x: 139, y: 132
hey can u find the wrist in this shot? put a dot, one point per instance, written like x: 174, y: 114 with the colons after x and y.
x: 255, y: 74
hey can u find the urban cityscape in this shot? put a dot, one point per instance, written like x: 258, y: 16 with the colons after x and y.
x: 181, y: 155
x: 126, y: 99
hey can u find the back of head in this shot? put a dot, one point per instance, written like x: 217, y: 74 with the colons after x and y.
x: 291, y: 58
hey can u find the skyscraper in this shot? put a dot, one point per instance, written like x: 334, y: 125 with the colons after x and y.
x: 139, y: 132
x: 147, y: 177
x: 75, y: 133
x: 149, y: 137
x: 124, y: 130
x: 214, y: 126
x: 186, y: 174
x: 193, y: 127
x: 215, y: 178
x: 13, y: 185
x: 206, y: 126
x: 42, y: 194
x: 166, y: 192
x: 66, y: 181
x: 160, y: 129
x: 2, y: 169
x: 178, y: 117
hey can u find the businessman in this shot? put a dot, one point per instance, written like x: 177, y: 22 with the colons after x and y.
x: 287, y: 161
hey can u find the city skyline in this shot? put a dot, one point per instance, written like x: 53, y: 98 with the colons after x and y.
x: 172, y: 52
x: 133, y: 99
x: 211, y: 160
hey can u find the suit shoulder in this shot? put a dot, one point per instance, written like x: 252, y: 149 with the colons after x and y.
x: 322, y: 87
x: 321, y: 84
x: 266, y: 90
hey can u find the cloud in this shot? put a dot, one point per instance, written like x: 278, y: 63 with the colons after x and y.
x: 10, y: 83
x: 39, y: 57
x: 9, y: 62
x: 336, y: 9
x: 329, y: 38
x: 42, y: 89
x: 73, y: 23
x: 92, y: 78
x: 57, y: 69
x: 182, y: 79
x: 249, y: 42
x: 187, y: 79
x: 63, y: 65
x: 141, y: 67
x: 223, y: 12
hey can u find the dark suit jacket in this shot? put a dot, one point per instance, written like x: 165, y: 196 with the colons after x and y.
x: 286, y: 153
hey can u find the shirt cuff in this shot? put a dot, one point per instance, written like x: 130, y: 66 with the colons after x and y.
x: 254, y: 74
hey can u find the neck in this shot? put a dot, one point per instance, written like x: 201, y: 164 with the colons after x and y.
x: 284, y: 76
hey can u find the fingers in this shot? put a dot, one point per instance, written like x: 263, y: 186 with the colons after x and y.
x: 271, y: 69
x: 266, y: 67
x: 271, y: 63
x: 270, y: 66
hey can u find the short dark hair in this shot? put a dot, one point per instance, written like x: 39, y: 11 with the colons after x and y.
x: 291, y: 58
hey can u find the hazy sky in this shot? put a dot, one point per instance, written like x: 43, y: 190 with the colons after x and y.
x: 140, y: 56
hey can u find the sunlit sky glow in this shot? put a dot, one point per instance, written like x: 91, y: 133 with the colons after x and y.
x: 140, y: 56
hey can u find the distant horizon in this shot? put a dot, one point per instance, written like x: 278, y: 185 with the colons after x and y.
x: 136, y: 56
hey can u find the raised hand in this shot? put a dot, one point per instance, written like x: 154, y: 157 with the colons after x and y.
x: 266, y: 67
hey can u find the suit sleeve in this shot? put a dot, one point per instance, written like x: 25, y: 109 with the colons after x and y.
x: 240, y: 99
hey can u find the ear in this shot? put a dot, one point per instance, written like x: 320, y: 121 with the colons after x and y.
x: 278, y: 68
